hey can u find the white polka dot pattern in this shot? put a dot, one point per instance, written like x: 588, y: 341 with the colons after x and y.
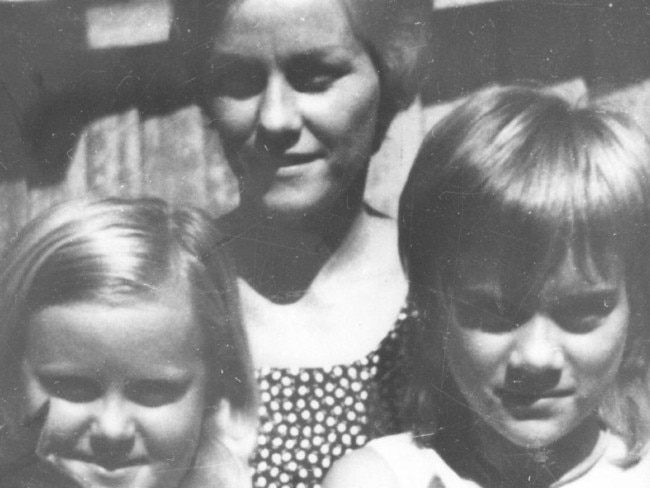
x: 311, y: 417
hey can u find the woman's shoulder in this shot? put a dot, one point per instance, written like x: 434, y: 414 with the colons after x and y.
x: 391, y: 462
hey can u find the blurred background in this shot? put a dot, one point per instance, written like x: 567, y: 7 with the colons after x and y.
x: 94, y: 98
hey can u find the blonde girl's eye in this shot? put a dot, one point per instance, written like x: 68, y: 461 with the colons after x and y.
x: 74, y: 389
x: 156, y: 393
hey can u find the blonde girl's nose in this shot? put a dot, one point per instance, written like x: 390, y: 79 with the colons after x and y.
x: 113, y: 421
x: 537, y: 345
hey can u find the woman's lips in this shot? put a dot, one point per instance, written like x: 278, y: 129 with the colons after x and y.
x: 289, y: 159
x: 526, y: 398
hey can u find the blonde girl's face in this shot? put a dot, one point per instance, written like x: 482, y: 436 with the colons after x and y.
x: 534, y: 365
x: 126, y: 387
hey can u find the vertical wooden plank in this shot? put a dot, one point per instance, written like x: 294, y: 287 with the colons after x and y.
x: 546, y: 42
x: 114, y: 154
x: 174, y: 162
x: 620, y: 75
x: 390, y: 166
x: 72, y: 185
x: 462, y: 53
x: 13, y: 209
x: 620, y: 39
x: 221, y: 184
x: 77, y: 177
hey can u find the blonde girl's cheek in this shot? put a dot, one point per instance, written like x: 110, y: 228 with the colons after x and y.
x: 65, y: 425
x: 34, y: 396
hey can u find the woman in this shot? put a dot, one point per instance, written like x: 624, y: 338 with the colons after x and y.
x: 301, y: 93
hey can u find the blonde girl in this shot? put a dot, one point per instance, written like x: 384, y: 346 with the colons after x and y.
x: 120, y: 332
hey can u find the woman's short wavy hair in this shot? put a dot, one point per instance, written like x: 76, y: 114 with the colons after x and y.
x: 118, y: 251
x: 558, y: 179
x: 393, y: 31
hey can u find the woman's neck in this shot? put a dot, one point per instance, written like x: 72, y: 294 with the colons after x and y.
x: 280, y: 260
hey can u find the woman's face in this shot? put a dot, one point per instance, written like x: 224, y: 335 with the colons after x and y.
x: 534, y: 365
x: 294, y: 95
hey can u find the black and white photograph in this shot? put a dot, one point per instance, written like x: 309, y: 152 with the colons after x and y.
x: 324, y: 243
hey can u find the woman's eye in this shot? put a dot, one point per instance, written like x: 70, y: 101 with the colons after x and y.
x: 235, y: 79
x: 155, y: 393
x: 72, y: 389
x: 314, y: 77
x: 314, y: 83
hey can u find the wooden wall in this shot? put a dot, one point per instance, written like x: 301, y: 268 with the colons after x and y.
x: 80, y: 117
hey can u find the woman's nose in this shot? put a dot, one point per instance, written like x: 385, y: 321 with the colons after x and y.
x: 279, y: 117
x: 537, y: 354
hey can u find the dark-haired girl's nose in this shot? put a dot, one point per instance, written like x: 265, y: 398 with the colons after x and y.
x: 537, y: 357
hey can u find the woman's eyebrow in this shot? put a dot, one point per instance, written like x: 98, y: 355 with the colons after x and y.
x: 224, y: 58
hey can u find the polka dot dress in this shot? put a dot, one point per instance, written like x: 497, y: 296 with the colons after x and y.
x: 310, y: 417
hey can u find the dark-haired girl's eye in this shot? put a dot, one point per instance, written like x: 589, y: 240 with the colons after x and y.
x: 584, y: 313
x: 487, y: 314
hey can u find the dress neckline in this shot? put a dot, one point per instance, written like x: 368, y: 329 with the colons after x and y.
x: 407, y: 311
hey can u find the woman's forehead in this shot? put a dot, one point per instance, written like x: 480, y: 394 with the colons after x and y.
x: 271, y: 29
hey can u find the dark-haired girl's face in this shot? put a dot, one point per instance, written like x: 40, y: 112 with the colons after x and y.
x: 294, y: 95
x: 534, y: 361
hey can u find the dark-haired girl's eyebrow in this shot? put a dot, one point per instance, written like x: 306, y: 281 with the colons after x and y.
x: 490, y: 289
x: 599, y: 301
